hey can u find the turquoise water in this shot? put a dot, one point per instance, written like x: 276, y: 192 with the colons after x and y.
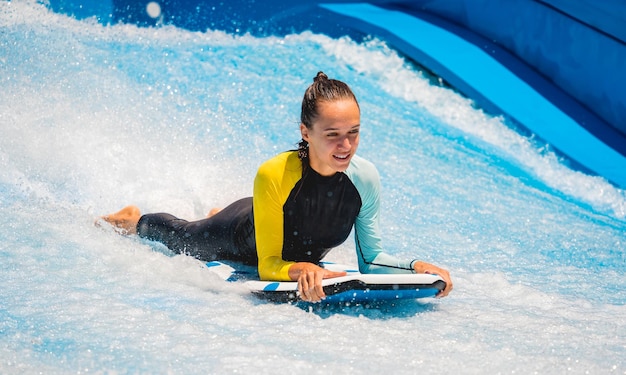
x: 93, y: 118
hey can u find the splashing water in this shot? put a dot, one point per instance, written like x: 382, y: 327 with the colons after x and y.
x: 93, y: 118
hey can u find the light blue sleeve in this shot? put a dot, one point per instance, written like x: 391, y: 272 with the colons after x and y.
x: 369, y: 250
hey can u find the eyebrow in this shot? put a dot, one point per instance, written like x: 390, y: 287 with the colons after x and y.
x: 335, y: 129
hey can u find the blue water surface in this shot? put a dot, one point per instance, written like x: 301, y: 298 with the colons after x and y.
x: 93, y: 118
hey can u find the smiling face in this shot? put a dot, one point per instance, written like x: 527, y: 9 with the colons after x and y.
x: 333, y: 136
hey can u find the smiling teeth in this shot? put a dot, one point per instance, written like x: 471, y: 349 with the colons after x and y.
x: 341, y: 157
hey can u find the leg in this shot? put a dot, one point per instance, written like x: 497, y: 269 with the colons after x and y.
x: 125, y: 220
x: 225, y: 235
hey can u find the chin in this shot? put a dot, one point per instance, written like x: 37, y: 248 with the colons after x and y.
x: 341, y: 166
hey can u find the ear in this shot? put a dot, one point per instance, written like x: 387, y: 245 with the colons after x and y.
x: 304, y: 131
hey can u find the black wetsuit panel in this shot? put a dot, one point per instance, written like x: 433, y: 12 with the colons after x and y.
x: 227, y: 235
x: 318, y: 215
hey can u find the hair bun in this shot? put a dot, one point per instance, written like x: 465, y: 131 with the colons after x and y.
x: 320, y: 77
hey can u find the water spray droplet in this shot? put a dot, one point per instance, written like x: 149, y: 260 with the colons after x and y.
x: 153, y: 9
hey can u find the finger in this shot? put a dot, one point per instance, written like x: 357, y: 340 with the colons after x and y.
x: 447, y: 289
x: 309, y: 287
x: 442, y: 293
x: 332, y: 274
x: 303, y: 288
x: 319, y: 289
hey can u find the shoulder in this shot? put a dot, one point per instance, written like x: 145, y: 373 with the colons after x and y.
x: 281, y: 171
x: 365, y: 178
x: 363, y: 171
x: 284, y: 162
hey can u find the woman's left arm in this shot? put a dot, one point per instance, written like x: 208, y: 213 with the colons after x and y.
x: 368, y: 241
x: 370, y: 254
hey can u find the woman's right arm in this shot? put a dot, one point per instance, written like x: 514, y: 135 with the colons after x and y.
x: 267, y: 202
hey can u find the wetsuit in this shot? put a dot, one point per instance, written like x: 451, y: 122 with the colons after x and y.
x: 297, y: 217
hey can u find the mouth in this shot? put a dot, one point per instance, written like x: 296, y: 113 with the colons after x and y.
x: 342, y: 157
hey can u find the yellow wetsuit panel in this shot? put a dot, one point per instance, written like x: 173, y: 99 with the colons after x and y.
x: 273, y: 183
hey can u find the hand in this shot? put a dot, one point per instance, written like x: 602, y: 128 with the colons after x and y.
x: 309, y: 277
x: 423, y: 267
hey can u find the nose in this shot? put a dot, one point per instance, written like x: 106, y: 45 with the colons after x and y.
x: 345, y: 142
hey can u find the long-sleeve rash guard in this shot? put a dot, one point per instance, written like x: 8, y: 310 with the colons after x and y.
x: 300, y: 217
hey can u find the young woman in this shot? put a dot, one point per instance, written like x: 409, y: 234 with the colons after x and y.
x: 304, y: 203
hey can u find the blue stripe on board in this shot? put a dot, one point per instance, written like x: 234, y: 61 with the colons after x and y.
x: 271, y: 287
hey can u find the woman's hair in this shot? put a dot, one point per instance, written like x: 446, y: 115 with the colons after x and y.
x: 322, y: 89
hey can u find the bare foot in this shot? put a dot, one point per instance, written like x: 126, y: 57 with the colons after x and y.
x: 213, y: 212
x: 125, y: 219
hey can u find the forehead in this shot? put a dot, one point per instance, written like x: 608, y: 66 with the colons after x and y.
x: 338, y: 113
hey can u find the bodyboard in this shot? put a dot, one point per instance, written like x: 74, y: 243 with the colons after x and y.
x: 354, y: 288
